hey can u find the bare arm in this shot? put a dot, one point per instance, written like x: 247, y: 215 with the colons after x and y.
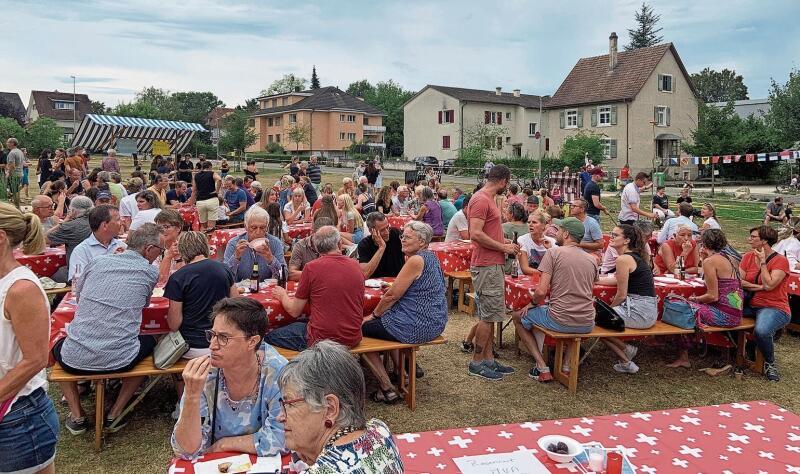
x: 771, y: 279
x: 598, y: 204
x: 478, y: 235
x: 369, y: 268
x: 410, y: 272
x: 421, y: 213
x: 293, y: 306
x: 625, y: 265
x: 27, y: 312
x: 592, y: 246
x: 175, y: 315
x: 542, y: 289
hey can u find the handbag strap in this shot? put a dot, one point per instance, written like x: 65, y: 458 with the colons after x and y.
x: 214, y: 412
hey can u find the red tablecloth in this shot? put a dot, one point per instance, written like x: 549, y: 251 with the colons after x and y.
x: 299, y: 231
x: 221, y: 237
x: 45, y: 264
x: 154, y: 317
x: 794, y: 284
x: 746, y: 437
x: 179, y: 466
x: 190, y: 215
x: 518, y: 290
x: 454, y: 256
x: 398, y: 222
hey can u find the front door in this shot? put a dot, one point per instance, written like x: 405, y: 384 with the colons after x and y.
x: 517, y: 150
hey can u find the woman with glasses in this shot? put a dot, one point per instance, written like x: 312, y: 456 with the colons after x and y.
x: 413, y: 310
x: 255, y: 247
x: 231, y: 400
x: 323, y: 414
x: 149, y: 206
x: 170, y: 225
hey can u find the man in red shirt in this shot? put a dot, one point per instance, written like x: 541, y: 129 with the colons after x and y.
x: 489, y: 250
x: 334, y: 286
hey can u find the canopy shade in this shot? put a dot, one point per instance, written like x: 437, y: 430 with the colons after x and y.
x: 668, y: 136
x: 100, y: 132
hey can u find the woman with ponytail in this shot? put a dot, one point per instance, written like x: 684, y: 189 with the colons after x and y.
x: 28, y: 421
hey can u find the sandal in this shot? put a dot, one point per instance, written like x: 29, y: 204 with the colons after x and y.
x: 384, y: 396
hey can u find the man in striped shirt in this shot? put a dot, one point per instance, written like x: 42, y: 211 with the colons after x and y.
x: 314, y: 173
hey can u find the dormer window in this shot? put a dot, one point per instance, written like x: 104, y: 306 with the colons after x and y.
x: 63, y: 105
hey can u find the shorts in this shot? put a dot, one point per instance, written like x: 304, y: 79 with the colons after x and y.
x: 540, y: 316
x: 207, y: 210
x: 25, y: 177
x: 146, y: 346
x: 358, y: 234
x: 375, y: 329
x: 638, y: 312
x: 292, y: 336
x: 490, y: 300
x: 29, y: 434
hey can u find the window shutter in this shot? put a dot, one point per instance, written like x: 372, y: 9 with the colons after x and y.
x: 594, y: 116
x: 580, y: 118
x: 661, y: 82
x: 668, y: 117
x: 613, y: 115
x: 487, y: 117
x: 499, y: 143
x: 561, y: 119
x: 655, y: 114
x: 672, y: 84
x: 499, y: 118
x: 440, y: 116
x: 613, y: 148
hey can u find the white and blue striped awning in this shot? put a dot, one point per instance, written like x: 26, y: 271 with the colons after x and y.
x: 100, y: 132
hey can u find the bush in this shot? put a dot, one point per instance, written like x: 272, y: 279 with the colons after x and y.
x: 275, y: 149
x: 612, y: 187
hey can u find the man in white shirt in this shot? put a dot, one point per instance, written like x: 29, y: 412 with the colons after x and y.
x: 458, y: 228
x: 671, y: 225
x: 127, y: 207
x: 400, y: 202
x: 790, y: 248
x: 629, y: 200
x: 105, y: 223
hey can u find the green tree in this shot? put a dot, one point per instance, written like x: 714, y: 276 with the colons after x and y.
x: 361, y: 89
x: 645, y: 34
x: 480, y: 139
x: 389, y: 97
x: 195, y: 106
x: 41, y: 134
x: 236, y: 133
x: 719, y: 86
x: 314, y: 78
x: 287, y: 83
x: 161, y: 100
x: 784, y: 114
x: 297, y: 134
x: 100, y: 108
x: 9, y: 127
x: 251, y: 105
x: 575, y: 149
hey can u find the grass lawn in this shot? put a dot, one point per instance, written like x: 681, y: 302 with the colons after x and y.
x: 448, y: 397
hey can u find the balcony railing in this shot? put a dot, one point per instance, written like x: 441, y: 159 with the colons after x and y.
x: 374, y: 128
x: 376, y: 145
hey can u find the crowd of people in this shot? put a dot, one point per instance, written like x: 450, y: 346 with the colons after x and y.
x: 237, y: 392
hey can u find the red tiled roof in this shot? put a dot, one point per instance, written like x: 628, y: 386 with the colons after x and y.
x: 218, y: 113
x: 44, y: 102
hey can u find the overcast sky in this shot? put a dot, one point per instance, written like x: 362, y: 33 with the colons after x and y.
x: 237, y: 48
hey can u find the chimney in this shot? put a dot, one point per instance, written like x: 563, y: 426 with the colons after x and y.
x: 612, y: 51
x: 498, y: 91
x: 516, y: 92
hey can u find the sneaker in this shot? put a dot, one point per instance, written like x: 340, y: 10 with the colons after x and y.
x: 502, y: 369
x: 630, y: 351
x: 541, y: 375
x: 76, y: 427
x: 626, y: 367
x: 467, y: 347
x: 479, y: 369
x: 109, y: 421
x: 771, y: 372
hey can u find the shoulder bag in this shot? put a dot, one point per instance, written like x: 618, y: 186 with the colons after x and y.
x: 169, y: 349
x: 679, y: 313
x: 606, y: 317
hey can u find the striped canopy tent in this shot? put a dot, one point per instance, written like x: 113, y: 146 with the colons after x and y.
x: 100, y: 132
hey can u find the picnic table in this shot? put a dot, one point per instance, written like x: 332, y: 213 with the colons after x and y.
x: 518, y: 290
x: 189, y: 215
x: 747, y: 437
x: 221, y: 237
x: 154, y: 316
x: 398, y: 222
x: 181, y: 466
x: 300, y: 230
x: 44, y: 264
x: 453, y: 256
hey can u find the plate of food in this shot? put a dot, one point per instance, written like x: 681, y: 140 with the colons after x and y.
x: 373, y: 283
x: 158, y: 292
x: 227, y: 465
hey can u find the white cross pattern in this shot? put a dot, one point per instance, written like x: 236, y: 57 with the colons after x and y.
x: 268, y: 310
x: 679, y: 429
x: 435, y: 452
x: 680, y: 462
x: 568, y: 466
x: 726, y: 414
x: 692, y: 411
x: 629, y: 452
x: 578, y: 429
x: 793, y: 469
x: 438, y: 433
x: 441, y: 466
x: 723, y: 457
x: 471, y: 431
x: 655, y: 451
x: 587, y: 421
x: 766, y: 454
x: 794, y: 449
x: 642, y: 416
x: 613, y: 438
x: 736, y: 449
x: 691, y: 440
x: 707, y: 433
x: 621, y: 424
x: 776, y: 417
x: 756, y: 428
x: 741, y: 406
x: 694, y: 452
x: 741, y: 438
x: 411, y: 455
x: 505, y: 434
x: 643, y: 438
x: 531, y: 426
x: 457, y: 440
x: 152, y: 324
x: 689, y: 419
x: 647, y: 469
x: 764, y: 438
x: 656, y: 430
x: 794, y: 437
x: 490, y: 450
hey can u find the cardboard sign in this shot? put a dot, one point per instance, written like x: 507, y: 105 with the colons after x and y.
x: 160, y: 147
x: 517, y: 462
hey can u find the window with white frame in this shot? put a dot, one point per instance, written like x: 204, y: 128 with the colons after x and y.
x: 64, y: 105
x: 278, y: 121
x: 351, y: 136
x: 604, y: 116
x: 572, y: 118
x: 351, y: 118
x: 292, y: 118
x: 609, y: 148
x: 661, y: 116
x: 532, y: 128
x: 665, y: 84
x: 342, y: 117
x: 342, y: 136
x: 508, y: 115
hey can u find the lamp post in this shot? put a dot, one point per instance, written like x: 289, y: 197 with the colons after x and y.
x: 74, y: 107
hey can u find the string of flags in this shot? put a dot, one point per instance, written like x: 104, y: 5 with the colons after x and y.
x: 727, y: 159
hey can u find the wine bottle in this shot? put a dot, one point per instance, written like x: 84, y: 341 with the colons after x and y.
x: 254, y: 279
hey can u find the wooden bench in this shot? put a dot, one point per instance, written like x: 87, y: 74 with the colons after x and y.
x: 143, y: 368
x: 570, y: 380
x: 408, y: 352
x: 464, y: 283
x: 58, y: 291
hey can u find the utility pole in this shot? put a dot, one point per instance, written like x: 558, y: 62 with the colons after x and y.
x: 74, y: 108
x: 540, y: 140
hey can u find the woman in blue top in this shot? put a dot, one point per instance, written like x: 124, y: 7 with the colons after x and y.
x: 414, y: 310
x: 231, y: 400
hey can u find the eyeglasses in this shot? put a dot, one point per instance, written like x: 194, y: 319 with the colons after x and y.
x: 222, y: 339
x: 288, y: 403
x: 53, y: 206
x: 160, y: 248
x: 614, y: 235
x: 406, y: 237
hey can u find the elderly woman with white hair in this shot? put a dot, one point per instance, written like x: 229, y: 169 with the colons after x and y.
x: 413, y: 310
x: 322, y: 411
x: 297, y: 209
x: 680, y: 249
x: 255, y: 247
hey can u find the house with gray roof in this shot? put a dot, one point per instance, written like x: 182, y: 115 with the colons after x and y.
x: 66, y: 108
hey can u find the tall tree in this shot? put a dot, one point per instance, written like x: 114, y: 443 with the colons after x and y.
x: 361, y: 88
x: 297, y: 134
x: 314, y: 78
x: 287, y: 83
x: 251, y: 105
x: 237, y: 134
x: 646, y: 33
x: 9, y: 127
x: 784, y: 113
x: 195, y: 106
x: 100, y: 108
x: 389, y: 97
x: 41, y: 134
x: 719, y: 86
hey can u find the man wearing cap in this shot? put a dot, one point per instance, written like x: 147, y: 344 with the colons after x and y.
x: 532, y: 204
x: 103, y: 197
x: 592, y: 241
x: 106, y: 225
x: 571, y: 306
x: 591, y: 193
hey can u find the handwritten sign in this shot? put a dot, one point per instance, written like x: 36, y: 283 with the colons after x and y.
x: 160, y: 147
x: 126, y: 146
x: 518, y: 462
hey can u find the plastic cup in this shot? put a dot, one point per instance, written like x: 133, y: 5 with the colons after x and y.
x: 614, y: 463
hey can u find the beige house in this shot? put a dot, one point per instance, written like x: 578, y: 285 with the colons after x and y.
x: 333, y: 118
x: 438, y: 121
x: 66, y: 108
x: 642, y: 102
